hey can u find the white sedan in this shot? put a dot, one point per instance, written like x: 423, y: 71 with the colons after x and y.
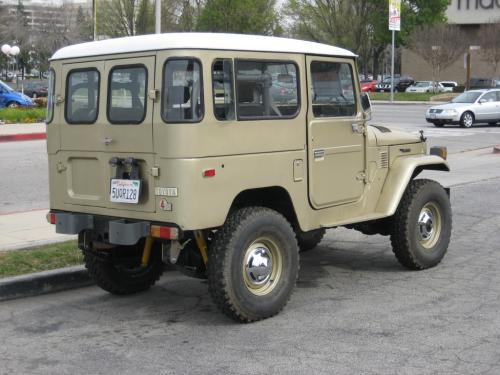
x: 467, y: 109
x: 426, y: 86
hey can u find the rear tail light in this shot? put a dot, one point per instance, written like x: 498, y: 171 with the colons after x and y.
x: 51, y: 218
x: 166, y: 233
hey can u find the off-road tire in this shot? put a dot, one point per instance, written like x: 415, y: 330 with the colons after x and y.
x: 465, y: 119
x: 227, y: 282
x: 119, y: 272
x: 408, y: 247
x: 309, y: 240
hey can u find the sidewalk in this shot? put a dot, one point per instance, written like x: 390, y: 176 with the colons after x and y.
x: 22, y: 132
x: 26, y: 229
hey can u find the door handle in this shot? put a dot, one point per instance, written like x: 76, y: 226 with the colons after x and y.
x: 107, y: 141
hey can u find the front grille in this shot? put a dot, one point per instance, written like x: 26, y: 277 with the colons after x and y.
x: 433, y: 110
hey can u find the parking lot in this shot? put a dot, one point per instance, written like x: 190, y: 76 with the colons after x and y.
x: 354, y: 310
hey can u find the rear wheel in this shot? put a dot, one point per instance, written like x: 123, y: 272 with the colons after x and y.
x: 119, y: 271
x: 12, y: 105
x: 467, y: 119
x: 309, y: 240
x: 253, y: 264
x: 421, y: 226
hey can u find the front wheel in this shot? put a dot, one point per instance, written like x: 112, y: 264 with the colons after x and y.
x: 253, y: 264
x: 467, y: 119
x: 421, y: 226
x: 12, y: 105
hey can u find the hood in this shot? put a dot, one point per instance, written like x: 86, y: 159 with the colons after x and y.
x: 451, y: 105
x: 388, y: 137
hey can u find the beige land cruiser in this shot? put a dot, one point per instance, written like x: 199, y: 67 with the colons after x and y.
x: 225, y: 155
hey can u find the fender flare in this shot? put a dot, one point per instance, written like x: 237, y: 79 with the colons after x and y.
x: 402, y: 170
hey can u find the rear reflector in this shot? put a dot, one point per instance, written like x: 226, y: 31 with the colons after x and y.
x: 51, y: 218
x: 167, y: 233
x: 209, y: 173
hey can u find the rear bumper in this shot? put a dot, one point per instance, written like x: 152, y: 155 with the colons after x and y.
x: 118, y: 231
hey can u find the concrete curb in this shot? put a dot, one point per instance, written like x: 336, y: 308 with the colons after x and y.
x: 22, y: 137
x: 44, y: 282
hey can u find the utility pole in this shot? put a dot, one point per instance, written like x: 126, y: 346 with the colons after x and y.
x: 157, y: 16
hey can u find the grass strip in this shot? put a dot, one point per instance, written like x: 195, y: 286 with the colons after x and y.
x: 22, y: 115
x: 40, y: 258
x: 402, y: 96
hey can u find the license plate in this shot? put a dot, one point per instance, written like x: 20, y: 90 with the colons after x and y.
x: 433, y: 115
x: 382, y: 90
x: 125, y: 191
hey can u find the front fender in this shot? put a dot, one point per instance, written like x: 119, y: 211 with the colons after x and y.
x: 400, y: 173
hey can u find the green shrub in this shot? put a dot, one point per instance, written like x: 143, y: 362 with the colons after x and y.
x: 22, y: 115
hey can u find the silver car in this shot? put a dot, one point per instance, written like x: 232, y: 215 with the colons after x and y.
x: 467, y: 109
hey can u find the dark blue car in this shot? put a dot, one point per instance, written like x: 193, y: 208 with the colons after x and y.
x: 10, y: 98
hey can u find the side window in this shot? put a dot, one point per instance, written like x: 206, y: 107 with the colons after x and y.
x: 127, y: 90
x: 267, y: 89
x: 182, y: 91
x: 333, y: 89
x: 82, y: 96
x: 490, y: 97
x: 222, y: 88
x: 50, y: 96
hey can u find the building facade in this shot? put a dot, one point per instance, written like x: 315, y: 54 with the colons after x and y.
x: 469, y: 15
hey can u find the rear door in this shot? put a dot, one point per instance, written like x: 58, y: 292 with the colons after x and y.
x: 107, y: 121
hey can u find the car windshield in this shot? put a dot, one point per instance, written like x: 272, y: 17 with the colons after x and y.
x: 467, y: 97
x: 6, y: 87
x: 422, y: 84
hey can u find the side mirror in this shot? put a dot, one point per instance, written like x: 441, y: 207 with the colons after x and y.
x: 366, y: 105
x: 481, y: 101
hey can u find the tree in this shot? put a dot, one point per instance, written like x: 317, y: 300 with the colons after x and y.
x: 359, y: 25
x: 240, y: 16
x: 439, y: 45
x: 490, y: 47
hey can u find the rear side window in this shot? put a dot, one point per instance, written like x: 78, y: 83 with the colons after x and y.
x: 222, y: 87
x: 182, y: 91
x: 82, y: 93
x: 50, y: 96
x: 266, y: 89
x: 333, y: 89
x: 127, y: 88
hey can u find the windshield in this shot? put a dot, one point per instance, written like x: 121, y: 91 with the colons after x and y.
x: 467, y: 97
x: 422, y: 84
x: 6, y: 87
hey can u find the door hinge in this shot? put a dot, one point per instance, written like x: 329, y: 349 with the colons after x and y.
x: 362, y: 177
x: 153, y: 94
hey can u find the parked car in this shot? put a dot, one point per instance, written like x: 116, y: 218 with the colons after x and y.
x: 448, y: 85
x: 35, y: 89
x: 481, y: 83
x: 404, y: 83
x: 426, y: 86
x: 467, y: 109
x: 11, y: 98
x: 368, y: 86
x: 400, y: 84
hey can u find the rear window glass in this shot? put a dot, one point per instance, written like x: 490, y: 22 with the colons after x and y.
x: 182, y: 87
x: 333, y: 89
x: 82, y: 95
x: 50, y: 96
x: 127, y: 94
x: 266, y: 89
x: 222, y: 86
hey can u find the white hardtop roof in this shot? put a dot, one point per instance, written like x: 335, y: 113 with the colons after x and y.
x: 219, y: 41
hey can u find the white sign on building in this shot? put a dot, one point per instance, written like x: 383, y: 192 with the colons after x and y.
x: 475, y: 12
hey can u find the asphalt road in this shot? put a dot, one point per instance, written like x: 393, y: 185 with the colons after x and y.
x: 355, y: 311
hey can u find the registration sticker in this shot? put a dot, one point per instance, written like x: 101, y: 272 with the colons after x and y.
x: 125, y: 191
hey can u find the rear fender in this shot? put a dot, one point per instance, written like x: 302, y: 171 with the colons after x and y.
x: 400, y: 173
